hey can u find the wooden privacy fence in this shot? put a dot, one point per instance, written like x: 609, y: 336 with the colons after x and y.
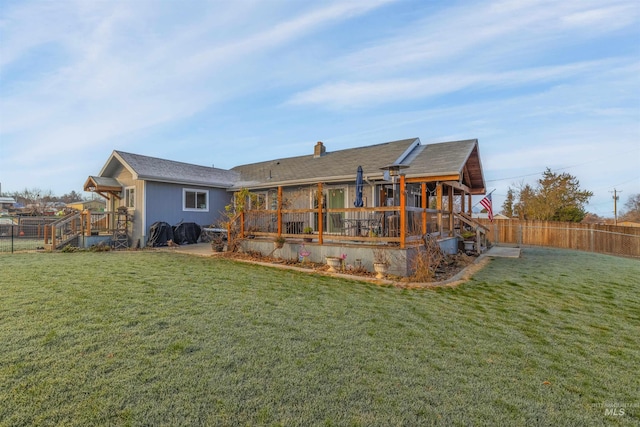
x: 606, y: 239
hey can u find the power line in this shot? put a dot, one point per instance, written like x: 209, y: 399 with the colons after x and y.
x: 563, y: 168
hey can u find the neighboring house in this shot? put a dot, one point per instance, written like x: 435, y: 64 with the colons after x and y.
x: 163, y: 190
x: 628, y: 224
x: 90, y: 205
x: 484, y: 215
x: 6, y: 203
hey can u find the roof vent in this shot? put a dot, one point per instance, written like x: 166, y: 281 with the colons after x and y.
x: 319, y: 150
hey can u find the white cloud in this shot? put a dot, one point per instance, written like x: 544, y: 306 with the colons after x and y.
x: 356, y: 94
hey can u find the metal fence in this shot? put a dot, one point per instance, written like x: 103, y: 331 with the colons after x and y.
x: 606, y: 239
x: 23, y: 234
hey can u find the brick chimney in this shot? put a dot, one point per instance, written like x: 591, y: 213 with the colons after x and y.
x: 319, y: 150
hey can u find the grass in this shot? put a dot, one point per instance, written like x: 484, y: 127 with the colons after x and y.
x: 167, y: 339
x: 19, y: 244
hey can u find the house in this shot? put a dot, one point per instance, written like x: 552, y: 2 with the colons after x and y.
x: 628, y: 224
x: 407, y: 189
x: 155, y: 190
x: 90, y: 205
x: 455, y: 162
x: 485, y: 215
x: 6, y: 203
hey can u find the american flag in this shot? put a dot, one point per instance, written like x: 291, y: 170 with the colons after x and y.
x: 488, y: 205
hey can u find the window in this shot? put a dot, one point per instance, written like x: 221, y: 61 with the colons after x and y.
x: 130, y: 197
x: 195, y: 200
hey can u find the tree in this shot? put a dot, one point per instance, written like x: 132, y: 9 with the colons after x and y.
x: 632, y: 209
x: 524, y: 208
x: 71, y: 197
x: 508, y: 205
x: 556, y: 197
x: 32, y: 196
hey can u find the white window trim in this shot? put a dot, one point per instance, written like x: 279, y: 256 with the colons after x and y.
x: 194, y: 190
x: 126, y: 197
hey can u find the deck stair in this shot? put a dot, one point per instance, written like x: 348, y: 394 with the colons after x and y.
x: 65, y: 231
x: 481, y: 242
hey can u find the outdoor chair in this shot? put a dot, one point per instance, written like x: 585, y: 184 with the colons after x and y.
x: 339, y: 223
x: 377, y: 223
x: 393, y: 225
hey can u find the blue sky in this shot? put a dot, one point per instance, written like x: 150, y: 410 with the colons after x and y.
x: 540, y: 84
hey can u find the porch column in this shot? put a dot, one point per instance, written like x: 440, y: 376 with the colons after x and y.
x: 462, y: 201
x: 320, y: 228
x: 279, y: 210
x: 424, y: 207
x: 469, y: 198
x: 450, y: 207
x: 439, y: 206
x: 403, y: 212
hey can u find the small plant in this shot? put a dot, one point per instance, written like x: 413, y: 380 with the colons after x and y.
x: 380, y: 257
x: 279, y: 241
x: 428, y: 260
x: 307, y: 230
x: 217, y: 242
x: 468, y: 235
x: 100, y: 247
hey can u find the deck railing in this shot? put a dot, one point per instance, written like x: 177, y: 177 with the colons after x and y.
x: 374, y: 225
x: 98, y: 222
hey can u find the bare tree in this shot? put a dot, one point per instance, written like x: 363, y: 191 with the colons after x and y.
x: 632, y: 209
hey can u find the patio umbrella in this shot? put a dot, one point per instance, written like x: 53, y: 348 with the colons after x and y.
x: 359, y: 184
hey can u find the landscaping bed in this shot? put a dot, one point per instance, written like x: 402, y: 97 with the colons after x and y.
x: 447, y: 268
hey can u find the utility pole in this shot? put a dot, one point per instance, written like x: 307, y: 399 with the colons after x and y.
x: 615, y: 205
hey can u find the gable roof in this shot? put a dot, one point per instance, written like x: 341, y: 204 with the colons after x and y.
x: 454, y: 160
x: 333, y: 166
x: 460, y: 158
x: 450, y: 158
x: 154, y: 169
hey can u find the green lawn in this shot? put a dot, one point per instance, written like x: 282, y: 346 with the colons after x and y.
x: 157, y: 338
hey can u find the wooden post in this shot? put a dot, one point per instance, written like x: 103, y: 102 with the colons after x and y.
x: 439, y: 206
x: 53, y: 237
x: 279, y: 210
x: 424, y: 207
x: 320, y: 218
x: 46, y: 234
x: 86, y: 215
x: 469, y: 207
x: 403, y: 212
x: 450, y: 208
x: 462, y: 200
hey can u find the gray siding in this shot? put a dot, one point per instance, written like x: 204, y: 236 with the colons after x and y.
x: 164, y: 203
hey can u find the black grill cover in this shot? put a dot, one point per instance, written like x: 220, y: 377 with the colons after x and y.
x: 159, y: 234
x: 186, y: 233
